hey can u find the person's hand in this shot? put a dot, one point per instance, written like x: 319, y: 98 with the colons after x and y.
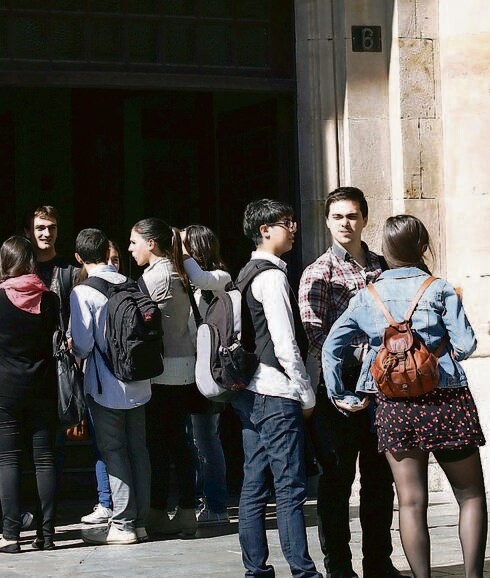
x: 307, y: 412
x: 352, y: 408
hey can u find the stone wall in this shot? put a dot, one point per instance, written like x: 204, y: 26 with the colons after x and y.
x: 410, y: 126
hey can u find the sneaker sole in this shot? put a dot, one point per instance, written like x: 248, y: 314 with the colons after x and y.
x: 99, y: 521
x: 109, y: 543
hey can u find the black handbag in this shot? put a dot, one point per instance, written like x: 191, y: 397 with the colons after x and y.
x: 71, y: 400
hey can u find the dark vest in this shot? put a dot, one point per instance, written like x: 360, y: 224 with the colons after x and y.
x: 255, y: 332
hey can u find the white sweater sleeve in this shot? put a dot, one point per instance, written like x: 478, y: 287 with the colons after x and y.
x: 209, y: 280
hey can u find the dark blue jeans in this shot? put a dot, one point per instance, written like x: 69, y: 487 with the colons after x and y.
x: 273, y: 444
x: 338, y: 442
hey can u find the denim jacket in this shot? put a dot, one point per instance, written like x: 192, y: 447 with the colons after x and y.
x: 439, y: 312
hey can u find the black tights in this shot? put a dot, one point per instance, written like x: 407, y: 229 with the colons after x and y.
x: 466, y: 478
x: 31, y: 424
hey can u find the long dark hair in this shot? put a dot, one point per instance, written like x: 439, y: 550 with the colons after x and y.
x: 203, y: 244
x: 167, y: 239
x: 16, y: 258
x: 405, y: 240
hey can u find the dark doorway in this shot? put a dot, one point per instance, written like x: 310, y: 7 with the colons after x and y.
x: 182, y: 156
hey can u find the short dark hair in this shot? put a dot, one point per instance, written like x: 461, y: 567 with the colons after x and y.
x: 405, y: 240
x: 347, y: 194
x: 16, y: 257
x: 263, y: 212
x: 92, y: 245
x: 44, y: 211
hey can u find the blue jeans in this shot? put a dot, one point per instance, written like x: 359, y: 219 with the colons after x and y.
x: 101, y: 475
x: 122, y: 443
x: 273, y: 444
x: 205, y: 429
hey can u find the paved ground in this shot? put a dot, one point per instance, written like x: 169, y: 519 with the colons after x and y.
x: 211, y: 553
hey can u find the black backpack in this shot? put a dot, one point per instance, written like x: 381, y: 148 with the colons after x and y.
x: 133, y: 331
x: 223, y: 365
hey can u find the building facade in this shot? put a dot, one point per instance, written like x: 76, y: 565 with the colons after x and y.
x: 394, y: 97
x: 113, y: 110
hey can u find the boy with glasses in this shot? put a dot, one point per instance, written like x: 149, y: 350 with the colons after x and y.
x: 271, y: 409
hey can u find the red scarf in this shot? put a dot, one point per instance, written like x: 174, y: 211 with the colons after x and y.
x: 25, y: 292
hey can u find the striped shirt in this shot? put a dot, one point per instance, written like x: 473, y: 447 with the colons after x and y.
x: 326, y: 287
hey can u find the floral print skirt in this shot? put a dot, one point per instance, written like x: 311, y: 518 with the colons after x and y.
x: 446, y: 418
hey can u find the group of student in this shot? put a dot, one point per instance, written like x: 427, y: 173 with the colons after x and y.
x: 141, y: 428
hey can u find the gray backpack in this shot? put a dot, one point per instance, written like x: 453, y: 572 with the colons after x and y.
x: 223, y: 365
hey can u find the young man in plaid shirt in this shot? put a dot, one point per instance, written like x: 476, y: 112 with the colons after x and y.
x: 343, y: 421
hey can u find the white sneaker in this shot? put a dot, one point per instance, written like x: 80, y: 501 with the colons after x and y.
x: 100, y: 515
x: 209, y: 518
x: 109, y: 535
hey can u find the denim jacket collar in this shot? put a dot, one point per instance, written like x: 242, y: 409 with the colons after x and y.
x: 402, y: 273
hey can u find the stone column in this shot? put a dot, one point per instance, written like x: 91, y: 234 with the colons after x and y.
x: 317, y: 119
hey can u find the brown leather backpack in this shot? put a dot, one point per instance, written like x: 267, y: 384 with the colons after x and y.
x: 404, y: 367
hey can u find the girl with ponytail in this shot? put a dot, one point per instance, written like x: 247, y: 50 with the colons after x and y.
x: 158, y: 246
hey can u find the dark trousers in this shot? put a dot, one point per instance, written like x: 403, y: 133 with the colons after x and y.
x: 339, y: 440
x: 29, y: 424
x: 168, y: 443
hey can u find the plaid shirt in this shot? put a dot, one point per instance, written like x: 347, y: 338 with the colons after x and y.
x: 326, y: 287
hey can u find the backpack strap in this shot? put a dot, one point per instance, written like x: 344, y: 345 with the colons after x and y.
x: 103, y: 287
x: 99, y: 284
x: 379, y: 303
x: 195, y: 308
x: 377, y: 299
x: 255, y: 267
x: 382, y: 307
x: 66, y: 282
x: 417, y: 297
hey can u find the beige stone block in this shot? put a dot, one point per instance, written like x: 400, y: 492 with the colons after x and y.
x: 468, y: 241
x: 412, y: 169
x: 407, y: 19
x: 315, y: 238
x: 367, y: 83
x: 466, y: 150
x: 380, y: 209
x: 465, y: 56
x: 367, y: 161
x: 430, y: 139
x: 315, y: 89
x: 418, y: 18
x: 312, y: 20
x: 417, y: 86
x: 427, y: 14
x: 429, y: 212
x: 366, y: 12
x: 473, y: 19
x: 422, y: 158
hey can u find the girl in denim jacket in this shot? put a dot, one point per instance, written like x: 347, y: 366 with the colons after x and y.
x: 444, y: 422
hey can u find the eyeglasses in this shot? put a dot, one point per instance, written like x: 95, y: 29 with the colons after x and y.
x: 288, y: 223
